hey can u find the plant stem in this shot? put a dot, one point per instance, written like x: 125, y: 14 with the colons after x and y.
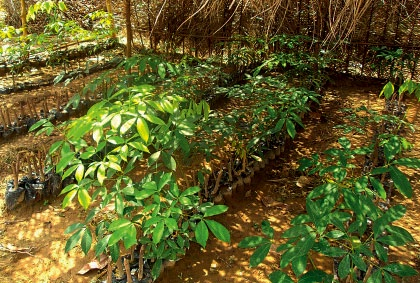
x: 141, y: 263
x: 120, y: 270
x: 109, y: 271
x: 127, y: 270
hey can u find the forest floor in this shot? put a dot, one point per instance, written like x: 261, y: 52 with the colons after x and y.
x: 32, y: 238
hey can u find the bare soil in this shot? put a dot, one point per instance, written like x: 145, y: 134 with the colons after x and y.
x: 32, y: 238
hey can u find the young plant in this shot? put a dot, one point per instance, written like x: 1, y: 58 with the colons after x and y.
x: 135, y: 127
x: 346, y: 219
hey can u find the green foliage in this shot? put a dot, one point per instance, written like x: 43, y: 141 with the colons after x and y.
x: 275, y: 109
x: 17, y: 49
x: 151, y: 119
x: 407, y: 87
x: 392, y: 62
x: 348, y: 217
x: 134, y: 126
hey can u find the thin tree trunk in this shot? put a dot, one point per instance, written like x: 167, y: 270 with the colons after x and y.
x: 110, y: 12
x: 129, y: 31
x: 23, y: 17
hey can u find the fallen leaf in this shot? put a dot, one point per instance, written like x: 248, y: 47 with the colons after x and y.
x: 95, y: 264
x: 303, y: 182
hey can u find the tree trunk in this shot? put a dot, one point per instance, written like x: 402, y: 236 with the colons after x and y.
x: 109, y: 10
x: 129, y: 31
x: 23, y: 17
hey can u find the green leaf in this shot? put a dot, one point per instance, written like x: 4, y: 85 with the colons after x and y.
x: 101, y: 245
x: 68, y: 198
x: 299, y: 265
x: 119, y: 224
x: 171, y: 223
x: 392, y: 240
x: 38, y: 124
x: 215, y: 210
x: 381, y: 252
x: 201, y: 233
x: 158, y: 232
x: 393, y: 214
x: 55, y: 146
x: 391, y: 148
x: 143, y: 194
x: 62, y: 6
x: 116, y: 140
x: 116, y: 236
x: 402, y: 233
x: 267, y: 229
x: 375, y: 277
x: 153, y: 158
x: 379, y: 188
x: 358, y: 262
x: 138, y: 145
x: 69, y: 171
x: 388, y: 278
x: 190, y: 191
x: 401, y: 270
x: 259, y: 254
x: 79, y: 172
x: 143, y: 129
x: 169, y: 161
x: 154, y: 119
x: 408, y: 162
x: 279, y: 125
x: 64, y: 161
x: 73, y: 227
x: 300, y: 249
x: 114, y: 165
x: 116, y: 122
x: 252, y: 242
x: 387, y: 91
x: 353, y: 201
x: 344, y: 142
x: 119, y: 204
x: 323, y: 189
x: 73, y: 240
x: 161, y: 70
x: 379, y: 170
x: 344, y: 267
x: 279, y: 277
x: 150, y: 186
x: 296, y: 231
x: 164, y: 180
x: 114, y: 250
x: 127, y: 126
x: 101, y: 174
x: 157, y: 266
x: 69, y: 188
x: 401, y: 182
x: 130, y: 237
x: 218, y: 230
x: 86, y: 241
x: 84, y: 198
x: 335, y: 234
x: 291, y: 130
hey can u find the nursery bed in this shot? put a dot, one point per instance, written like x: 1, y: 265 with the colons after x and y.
x: 34, y: 235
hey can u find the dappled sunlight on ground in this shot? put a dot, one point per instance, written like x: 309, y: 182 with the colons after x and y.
x: 272, y: 194
x: 230, y: 263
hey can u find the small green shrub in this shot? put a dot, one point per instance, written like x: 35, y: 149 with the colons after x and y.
x: 134, y: 126
x: 349, y: 217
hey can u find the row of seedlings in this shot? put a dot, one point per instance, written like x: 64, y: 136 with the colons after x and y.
x: 39, y: 181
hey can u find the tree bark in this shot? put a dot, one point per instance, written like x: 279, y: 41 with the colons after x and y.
x: 110, y: 12
x: 129, y: 31
x: 23, y: 17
